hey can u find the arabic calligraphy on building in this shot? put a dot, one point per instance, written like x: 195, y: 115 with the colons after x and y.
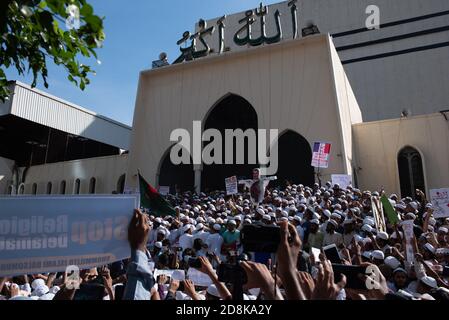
x: 257, y: 27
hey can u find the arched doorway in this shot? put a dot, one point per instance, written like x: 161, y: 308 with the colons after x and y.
x: 411, y: 172
x: 178, y: 177
x: 231, y: 112
x: 295, y: 160
x: 121, y: 184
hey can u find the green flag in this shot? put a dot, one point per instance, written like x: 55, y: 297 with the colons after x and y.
x: 152, y: 200
x: 389, y: 210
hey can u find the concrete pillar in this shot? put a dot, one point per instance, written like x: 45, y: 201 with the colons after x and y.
x: 198, y: 171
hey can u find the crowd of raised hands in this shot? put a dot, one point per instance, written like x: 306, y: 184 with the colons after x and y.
x: 207, y: 228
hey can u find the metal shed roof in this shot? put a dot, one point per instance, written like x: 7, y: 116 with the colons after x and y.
x: 40, y: 107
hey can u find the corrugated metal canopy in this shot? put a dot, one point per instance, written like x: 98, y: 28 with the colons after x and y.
x: 40, y: 107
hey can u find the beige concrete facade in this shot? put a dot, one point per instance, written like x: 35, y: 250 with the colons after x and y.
x: 378, y: 145
x: 297, y: 85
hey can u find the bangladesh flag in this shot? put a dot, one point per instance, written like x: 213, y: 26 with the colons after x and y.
x: 389, y: 210
x: 152, y: 200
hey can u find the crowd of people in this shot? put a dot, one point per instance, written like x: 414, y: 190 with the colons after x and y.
x: 206, y: 233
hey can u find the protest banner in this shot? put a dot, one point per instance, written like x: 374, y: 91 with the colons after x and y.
x: 199, y: 278
x: 407, y: 226
x: 343, y: 180
x: 164, y: 190
x: 321, y: 155
x: 440, y: 201
x: 48, y: 233
x: 231, y: 186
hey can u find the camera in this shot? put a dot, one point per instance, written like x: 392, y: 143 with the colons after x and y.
x: 260, y: 238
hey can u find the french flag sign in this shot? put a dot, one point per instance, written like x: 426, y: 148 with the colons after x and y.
x: 321, y: 155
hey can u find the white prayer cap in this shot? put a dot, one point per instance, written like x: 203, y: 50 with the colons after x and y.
x: 238, y: 218
x: 414, y: 205
x: 158, y: 244
x: 158, y: 220
x: 334, y: 223
x: 429, y: 205
x: 429, y: 281
x: 367, y: 254
x: 248, y: 221
x: 284, y: 213
x: 260, y: 211
x: 369, y: 221
x: 410, y: 215
x: 394, y: 235
x: 430, y: 247
x: 297, y: 218
x: 219, y: 220
x: 392, y: 262
x: 266, y: 217
x: 432, y: 221
x: 315, y: 221
x: 399, y: 270
x: 336, y: 215
x: 199, y: 226
x: 217, y: 227
x: 327, y: 213
x: 383, y: 236
x: 186, y: 227
x: 316, y: 216
x: 232, y: 222
x: 358, y: 238
x: 200, y: 219
x: 443, y: 230
x: 366, y: 240
x: 348, y: 221
x: 37, y: 283
x: 283, y: 219
x: 213, y: 291
x: 378, y: 255
x: 40, y: 291
x: 272, y: 214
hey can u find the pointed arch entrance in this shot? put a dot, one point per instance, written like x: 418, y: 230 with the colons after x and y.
x: 231, y: 112
x: 411, y: 172
x: 295, y: 159
x: 177, y: 177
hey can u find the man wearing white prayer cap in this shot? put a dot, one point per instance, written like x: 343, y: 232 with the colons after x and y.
x: 377, y: 257
x: 332, y: 237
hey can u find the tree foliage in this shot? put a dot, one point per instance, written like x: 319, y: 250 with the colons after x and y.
x: 33, y: 31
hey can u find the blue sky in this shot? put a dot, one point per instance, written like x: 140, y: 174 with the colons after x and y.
x: 136, y: 32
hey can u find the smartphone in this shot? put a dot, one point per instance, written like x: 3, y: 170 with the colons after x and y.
x: 260, y: 238
x: 352, y: 276
x: 90, y: 291
x: 194, y: 263
x: 231, y: 273
x: 316, y: 254
x: 119, y: 291
x: 332, y: 254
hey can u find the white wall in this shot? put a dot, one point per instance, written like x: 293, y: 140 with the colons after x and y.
x: 106, y: 170
x: 379, y: 143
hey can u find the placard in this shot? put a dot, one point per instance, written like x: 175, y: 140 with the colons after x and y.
x: 199, y: 278
x: 440, y: 201
x: 164, y: 190
x: 231, y: 186
x: 343, y: 180
x: 321, y: 155
x: 48, y: 233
